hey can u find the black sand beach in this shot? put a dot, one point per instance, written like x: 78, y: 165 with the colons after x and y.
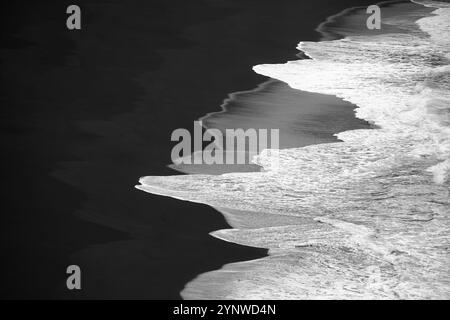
x: 86, y: 113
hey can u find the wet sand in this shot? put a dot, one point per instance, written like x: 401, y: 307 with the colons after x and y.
x: 302, y: 118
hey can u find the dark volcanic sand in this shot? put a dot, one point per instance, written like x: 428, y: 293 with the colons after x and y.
x: 85, y: 113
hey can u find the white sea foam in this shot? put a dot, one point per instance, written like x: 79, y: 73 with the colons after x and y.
x: 374, y: 209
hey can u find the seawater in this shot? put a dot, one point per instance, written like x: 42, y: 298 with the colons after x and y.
x: 367, y: 217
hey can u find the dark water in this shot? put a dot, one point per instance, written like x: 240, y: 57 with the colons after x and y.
x: 86, y: 113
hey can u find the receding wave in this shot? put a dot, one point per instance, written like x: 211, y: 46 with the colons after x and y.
x: 367, y: 217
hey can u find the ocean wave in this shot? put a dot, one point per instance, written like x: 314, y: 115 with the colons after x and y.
x: 370, y: 213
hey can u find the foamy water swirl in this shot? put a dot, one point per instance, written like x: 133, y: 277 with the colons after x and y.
x: 369, y: 215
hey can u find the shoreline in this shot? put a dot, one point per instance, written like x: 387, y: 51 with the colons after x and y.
x: 235, y: 112
x: 184, y: 100
x: 81, y: 150
x: 228, y: 278
x: 220, y: 283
